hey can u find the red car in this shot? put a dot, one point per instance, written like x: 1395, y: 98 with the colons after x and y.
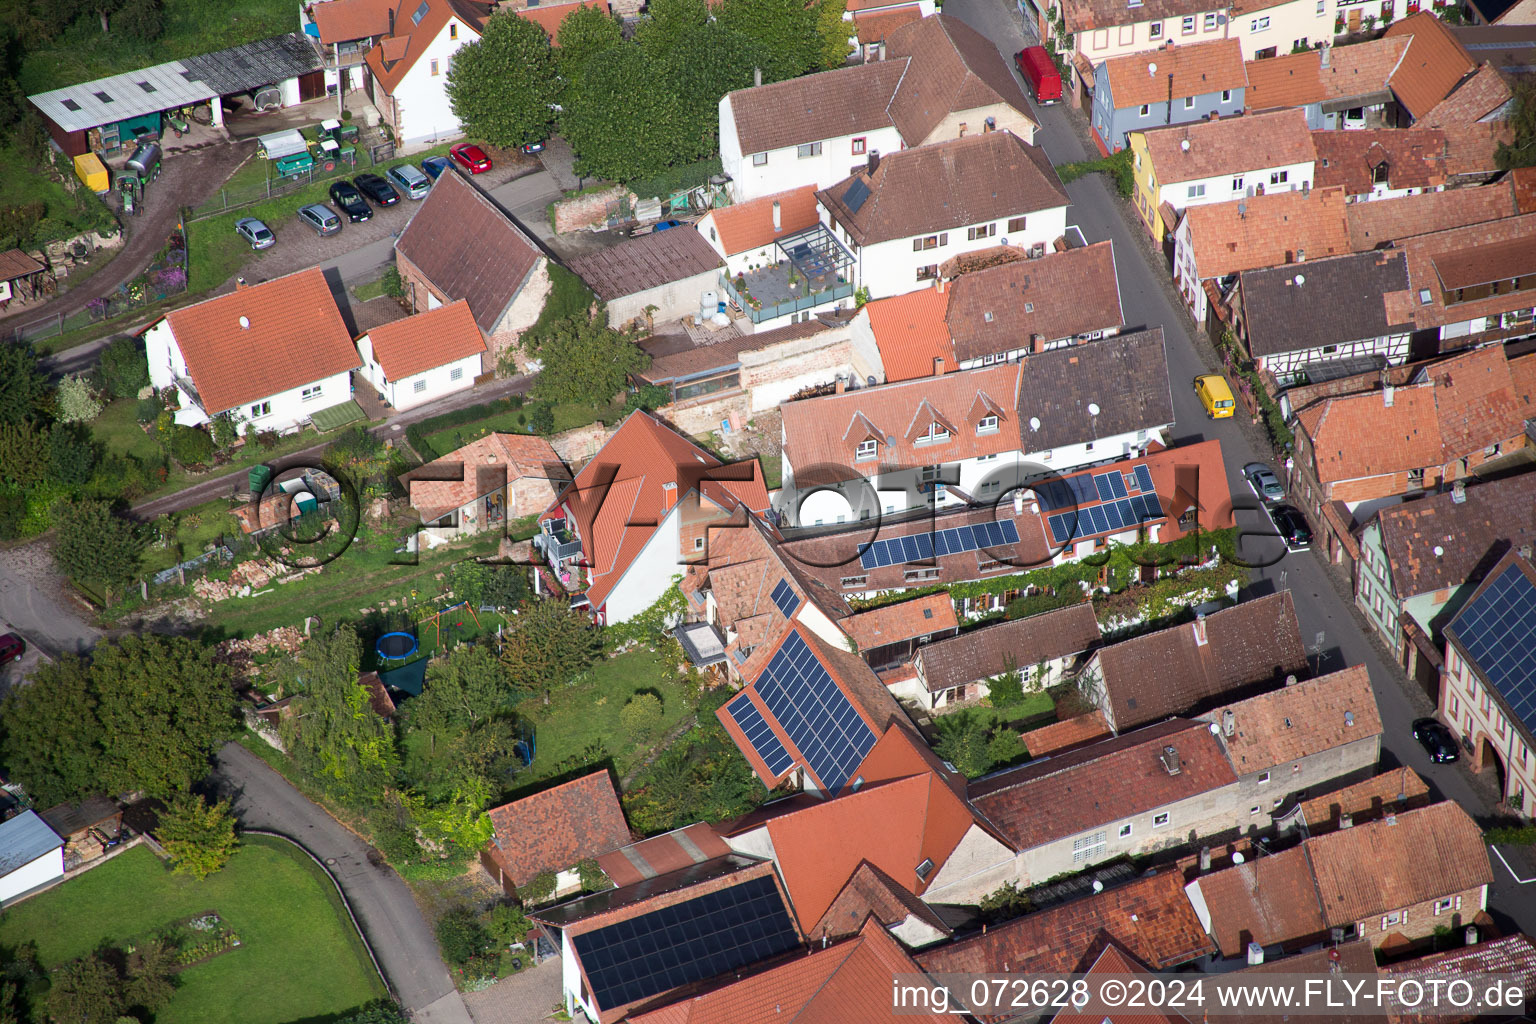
x: 470, y: 157
x: 11, y: 647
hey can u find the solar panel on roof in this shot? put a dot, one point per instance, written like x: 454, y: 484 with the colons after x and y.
x: 855, y: 196
x: 814, y: 713
x: 755, y: 728
x: 1102, y: 487
x: 954, y: 541
x: 1144, y: 477
x: 1498, y: 631
x: 1117, y: 483
x: 686, y: 942
x: 1063, y: 526
x: 784, y: 596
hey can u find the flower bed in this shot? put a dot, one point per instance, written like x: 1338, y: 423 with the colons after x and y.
x: 165, y: 276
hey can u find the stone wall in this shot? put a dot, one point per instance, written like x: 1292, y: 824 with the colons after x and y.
x: 701, y: 417
x: 577, y: 446
x: 589, y: 210
x: 520, y: 316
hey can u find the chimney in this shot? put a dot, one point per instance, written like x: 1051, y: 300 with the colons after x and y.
x: 938, y: 366
x: 1170, y: 760
x: 1459, y: 493
x: 778, y: 220
x: 1525, y: 550
x: 1386, y: 396
x: 880, y: 50
x: 1228, y: 723
x: 1346, y: 821
x: 391, y: 21
x: 1327, y: 54
x: 757, y: 73
x: 1470, y: 935
x: 1301, y: 255
x: 1037, y: 343
x: 668, y: 495
x: 873, y: 162
x: 1255, y: 954
x: 1291, y: 680
x: 841, y: 386
x: 240, y: 283
x: 1200, y: 638
x: 1205, y: 859
x: 1390, y: 819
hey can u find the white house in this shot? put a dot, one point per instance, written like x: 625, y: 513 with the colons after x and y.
x: 745, y: 233
x: 408, y: 68
x: 940, y: 79
x: 910, y: 211
x: 271, y: 354
x: 31, y: 856
x: 423, y: 357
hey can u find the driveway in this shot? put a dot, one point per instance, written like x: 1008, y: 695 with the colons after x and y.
x: 400, y: 937
x: 525, y: 998
x: 34, y: 602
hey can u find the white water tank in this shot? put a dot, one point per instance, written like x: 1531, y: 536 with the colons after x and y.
x: 709, y: 305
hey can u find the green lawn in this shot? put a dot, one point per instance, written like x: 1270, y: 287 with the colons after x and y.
x: 299, y: 958
x: 515, y: 421
x: 773, y: 470
x: 22, y: 182
x: 196, y: 528
x: 118, y: 429
x: 1038, y: 709
x: 244, y: 457
x: 588, y: 712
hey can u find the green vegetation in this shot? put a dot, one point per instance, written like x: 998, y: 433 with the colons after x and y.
x: 699, y: 777
x: 503, y: 86
x: 304, y: 938
x: 200, y: 837
x: 35, y: 208
x: 1511, y: 835
x: 1118, y: 167
x: 440, y: 435
x: 975, y: 743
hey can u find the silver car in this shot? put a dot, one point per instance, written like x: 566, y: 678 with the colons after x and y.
x: 320, y: 217
x: 1264, y: 482
x: 255, y: 232
x: 409, y: 180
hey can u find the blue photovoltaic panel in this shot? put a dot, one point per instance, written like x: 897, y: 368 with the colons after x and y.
x: 1112, y: 513
x: 784, y: 596
x: 1144, y: 476
x: 1127, y: 512
x: 755, y: 728
x: 1063, y: 526
x: 814, y: 713
x: 909, y: 549
x: 1102, y: 485
x: 954, y: 541
x: 1117, y: 483
x: 924, y: 545
x: 1498, y: 631
x: 1100, y: 520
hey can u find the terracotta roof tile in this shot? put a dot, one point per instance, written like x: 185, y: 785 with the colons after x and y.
x: 1061, y: 295
x: 1372, y: 225
x: 341, y: 21
x: 1150, y: 917
x: 747, y: 226
x: 1266, y: 231
x: 1463, y: 257
x: 427, y: 340
x: 873, y: 892
x: 1510, y: 955
x: 953, y: 68
x: 1095, y: 785
x: 1414, y: 158
x: 1294, y: 722
x: 1436, y: 542
x: 1196, y: 69
x: 1396, y: 790
x: 296, y: 336
x: 1062, y: 736
x: 826, y: 105
x: 1362, y: 69
x: 905, y: 620
x: 1114, y: 962
x: 469, y: 248
x: 659, y: 855
x: 1472, y: 149
x: 1434, y: 64
x: 1084, y: 15
x: 551, y: 17
x: 1356, y: 957
x: 1476, y: 97
x: 1169, y: 671
x: 378, y: 696
x: 874, y: 26
x: 646, y: 262
x: 982, y: 653
x: 1268, y: 900
x: 911, y: 334
x: 946, y: 186
x: 1398, y: 861
x: 1294, y: 80
x: 554, y: 829
x: 397, y: 54
x: 1229, y: 145
x: 477, y: 469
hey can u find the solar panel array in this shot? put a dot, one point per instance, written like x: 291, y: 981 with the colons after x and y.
x: 1110, y: 517
x: 763, y: 740
x: 815, y: 714
x: 784, y: 596
x: 1498, y: 631
x: 686, y: 942
x: 954, y: 541
x: 1101, y: 503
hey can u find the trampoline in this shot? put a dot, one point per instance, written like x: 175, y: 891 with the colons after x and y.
x: 395, y: 646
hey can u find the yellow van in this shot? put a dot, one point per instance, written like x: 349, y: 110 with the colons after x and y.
x: 1215, y: 395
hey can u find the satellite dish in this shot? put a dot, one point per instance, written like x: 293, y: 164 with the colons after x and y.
x: 245, y: 322
x: 1439, y: 551
x: 1034, y: 423
x: 1215, y: 729
x: 1238, y: 858
x: 1093, y: 408
x: 1301, y: 279
x: 1184, y: 145
x: 1152, y: 69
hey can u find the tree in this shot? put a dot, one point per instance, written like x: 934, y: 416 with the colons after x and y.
x: 619, y: 132
x: 191, y: 446
x: 541, y: 419
x: 74, y: 402
x: 384, y: 1013
x: 199, y: 836
x: 962, y: 742
x: 787, y: 30
x: 462, y: 690
x: 150, y: 979
x: 668, y: 22
x: 460, y: 935
x: 225, y: 431
x: 23, y: 387
x: 53, y: 739
x: 480, y: 584
x: 24, y: 452
x: 98, y: 546
x: 833, y: 33
x: 503, y: 86
x: 1521, y: 151
x: 642, y: 715
x: 124, y: 368
x: 549, y: 647
x: 586, y: 362
x: 72, y: 455
x: 506, y: 923
x: 1004, y: 902
x: 165, y: 705
x: 585, y: 32
x: 1006, y: 689
x: 85, y: 991
x: 143, y: 20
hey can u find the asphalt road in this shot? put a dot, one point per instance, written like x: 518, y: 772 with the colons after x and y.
x: 1148, y: 299
x: 388, y: 916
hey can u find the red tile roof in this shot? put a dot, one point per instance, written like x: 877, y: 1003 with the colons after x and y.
x: 911, y: 333
x: 872, y: 892
x: 1467, y: 256
x: 747, y: 226
x: 1027, y: 642
x: 426, y: 341
x: 659, y: 855
x: 1293, y: 80
x: 1373, y: 224
x: 1433, y: 66
x: 1478, y: 96
x: 953, y: 68
x: 1196, y: 69
x: 1267, y: 900
x: 1510, y: 955
x: 550, y: 18
x: 262, y: 340
x: 1414, y: 158
x: 1150, y: 917
x: 905, y: 620
x: 874, y: 26
x: 479, y: 468
x: 1362, y: 70
x: 341, y: 21
x: 1228, y: 145
x: 398, y: 53
x: 554, y: 829
x: 1114, y: 962
x: 1092, y: 786
x: 1266, y: 231
x: 1065, y: 735
x: 1396, y: 790
x: 1294, y: 722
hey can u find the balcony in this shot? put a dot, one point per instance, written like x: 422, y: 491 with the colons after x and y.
x: 812, y: 270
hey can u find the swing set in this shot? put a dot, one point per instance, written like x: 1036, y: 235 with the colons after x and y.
x: 434, y: 621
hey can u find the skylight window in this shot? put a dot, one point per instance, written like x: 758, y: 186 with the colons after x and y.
x: 146, y: 87
x: 103, y: 97
x: 924, y: 869
x: 71, y: 105
x: 421, y: 12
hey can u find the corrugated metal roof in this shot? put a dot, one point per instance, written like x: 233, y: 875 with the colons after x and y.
x: 23, y: 839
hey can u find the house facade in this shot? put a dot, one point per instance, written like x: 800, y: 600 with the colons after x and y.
x: 485, y: 485
x: 1102, y: 30
x: 423, y: 357
x: 407, y: 69
x: 204, y: 351
x: 32, y: 855
x: 1170, y: 85
x: 1039, y: 648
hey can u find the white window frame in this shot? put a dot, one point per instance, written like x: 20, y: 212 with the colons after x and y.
x: 1155, y: 30
x: 1226, y: 95
x: 1195, y: 191
x: 1445, y: 905
x: 1259, y: 25
x: 260, y: 409
x: 759, y: 159
x: 1160, y: 820
x: 988, y: 425
x: 1189, y: 103
x: 1126, y: 830
x: 1208, y: 23
x: 867, y: 450
x: 1263, y: 778
x: 936, y: 435
x: 312, y: 392
x: 808, y: 150
x: 1146, y: 108
x: 1279, y: 177
x: 1187, y: 27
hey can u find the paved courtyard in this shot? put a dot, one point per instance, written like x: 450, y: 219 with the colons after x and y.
x: 525, y: 998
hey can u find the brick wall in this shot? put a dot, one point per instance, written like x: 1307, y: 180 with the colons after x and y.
x: 589, y: 210
x: 575, y: 447
x: 1420, y: 920
x: 520, y: 315
x: 705, y: 416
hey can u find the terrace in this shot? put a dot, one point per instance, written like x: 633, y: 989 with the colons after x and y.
x: 812, y: 270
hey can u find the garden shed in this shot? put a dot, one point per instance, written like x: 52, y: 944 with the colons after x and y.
x: 31, y: 856
x: 670, y: 270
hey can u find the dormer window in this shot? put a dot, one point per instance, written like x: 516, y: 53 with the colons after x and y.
x: 936, y: 433
x: 866, y: 450
x: 988, y: 425
x: 924, y: 870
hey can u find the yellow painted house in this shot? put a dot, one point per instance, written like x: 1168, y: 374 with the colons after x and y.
x: 1145, y: 191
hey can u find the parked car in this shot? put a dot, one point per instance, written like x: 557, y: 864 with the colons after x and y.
x: 409, y: 180
x: 320, y: 217
x: 11, y: 647
x: 470, y: 157
x: 1040, y: 71
x: 1436, y: 740
x: 255, y: 232
x: 1264, y: 482
x: 434, y: 166
x: 377, y: 189
x: 1215, y: 396
x: 531, y: 148
x: 1292, y: 526
x: 350, y: 202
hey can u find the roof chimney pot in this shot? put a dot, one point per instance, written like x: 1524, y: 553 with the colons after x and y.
x: 1199, y: 626
x: 938, y: 366
x: 757, y: 73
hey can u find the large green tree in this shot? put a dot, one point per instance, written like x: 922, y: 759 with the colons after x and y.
x: 1521, y: 150
x: 787, y: 30
x: 668, y: 22
x: 23, y: 387
x: 124, y: 369
x: 832, y: 32
x: 24, y: 453
x: 585, y: 32
x: 549, y: 647
x: 72, y: 454
x: 96, y: 545
x: 199, y: 836
x: 585, y: 361
x: 502, y: 86
x: 53, y: 738
x: 463, y: 690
